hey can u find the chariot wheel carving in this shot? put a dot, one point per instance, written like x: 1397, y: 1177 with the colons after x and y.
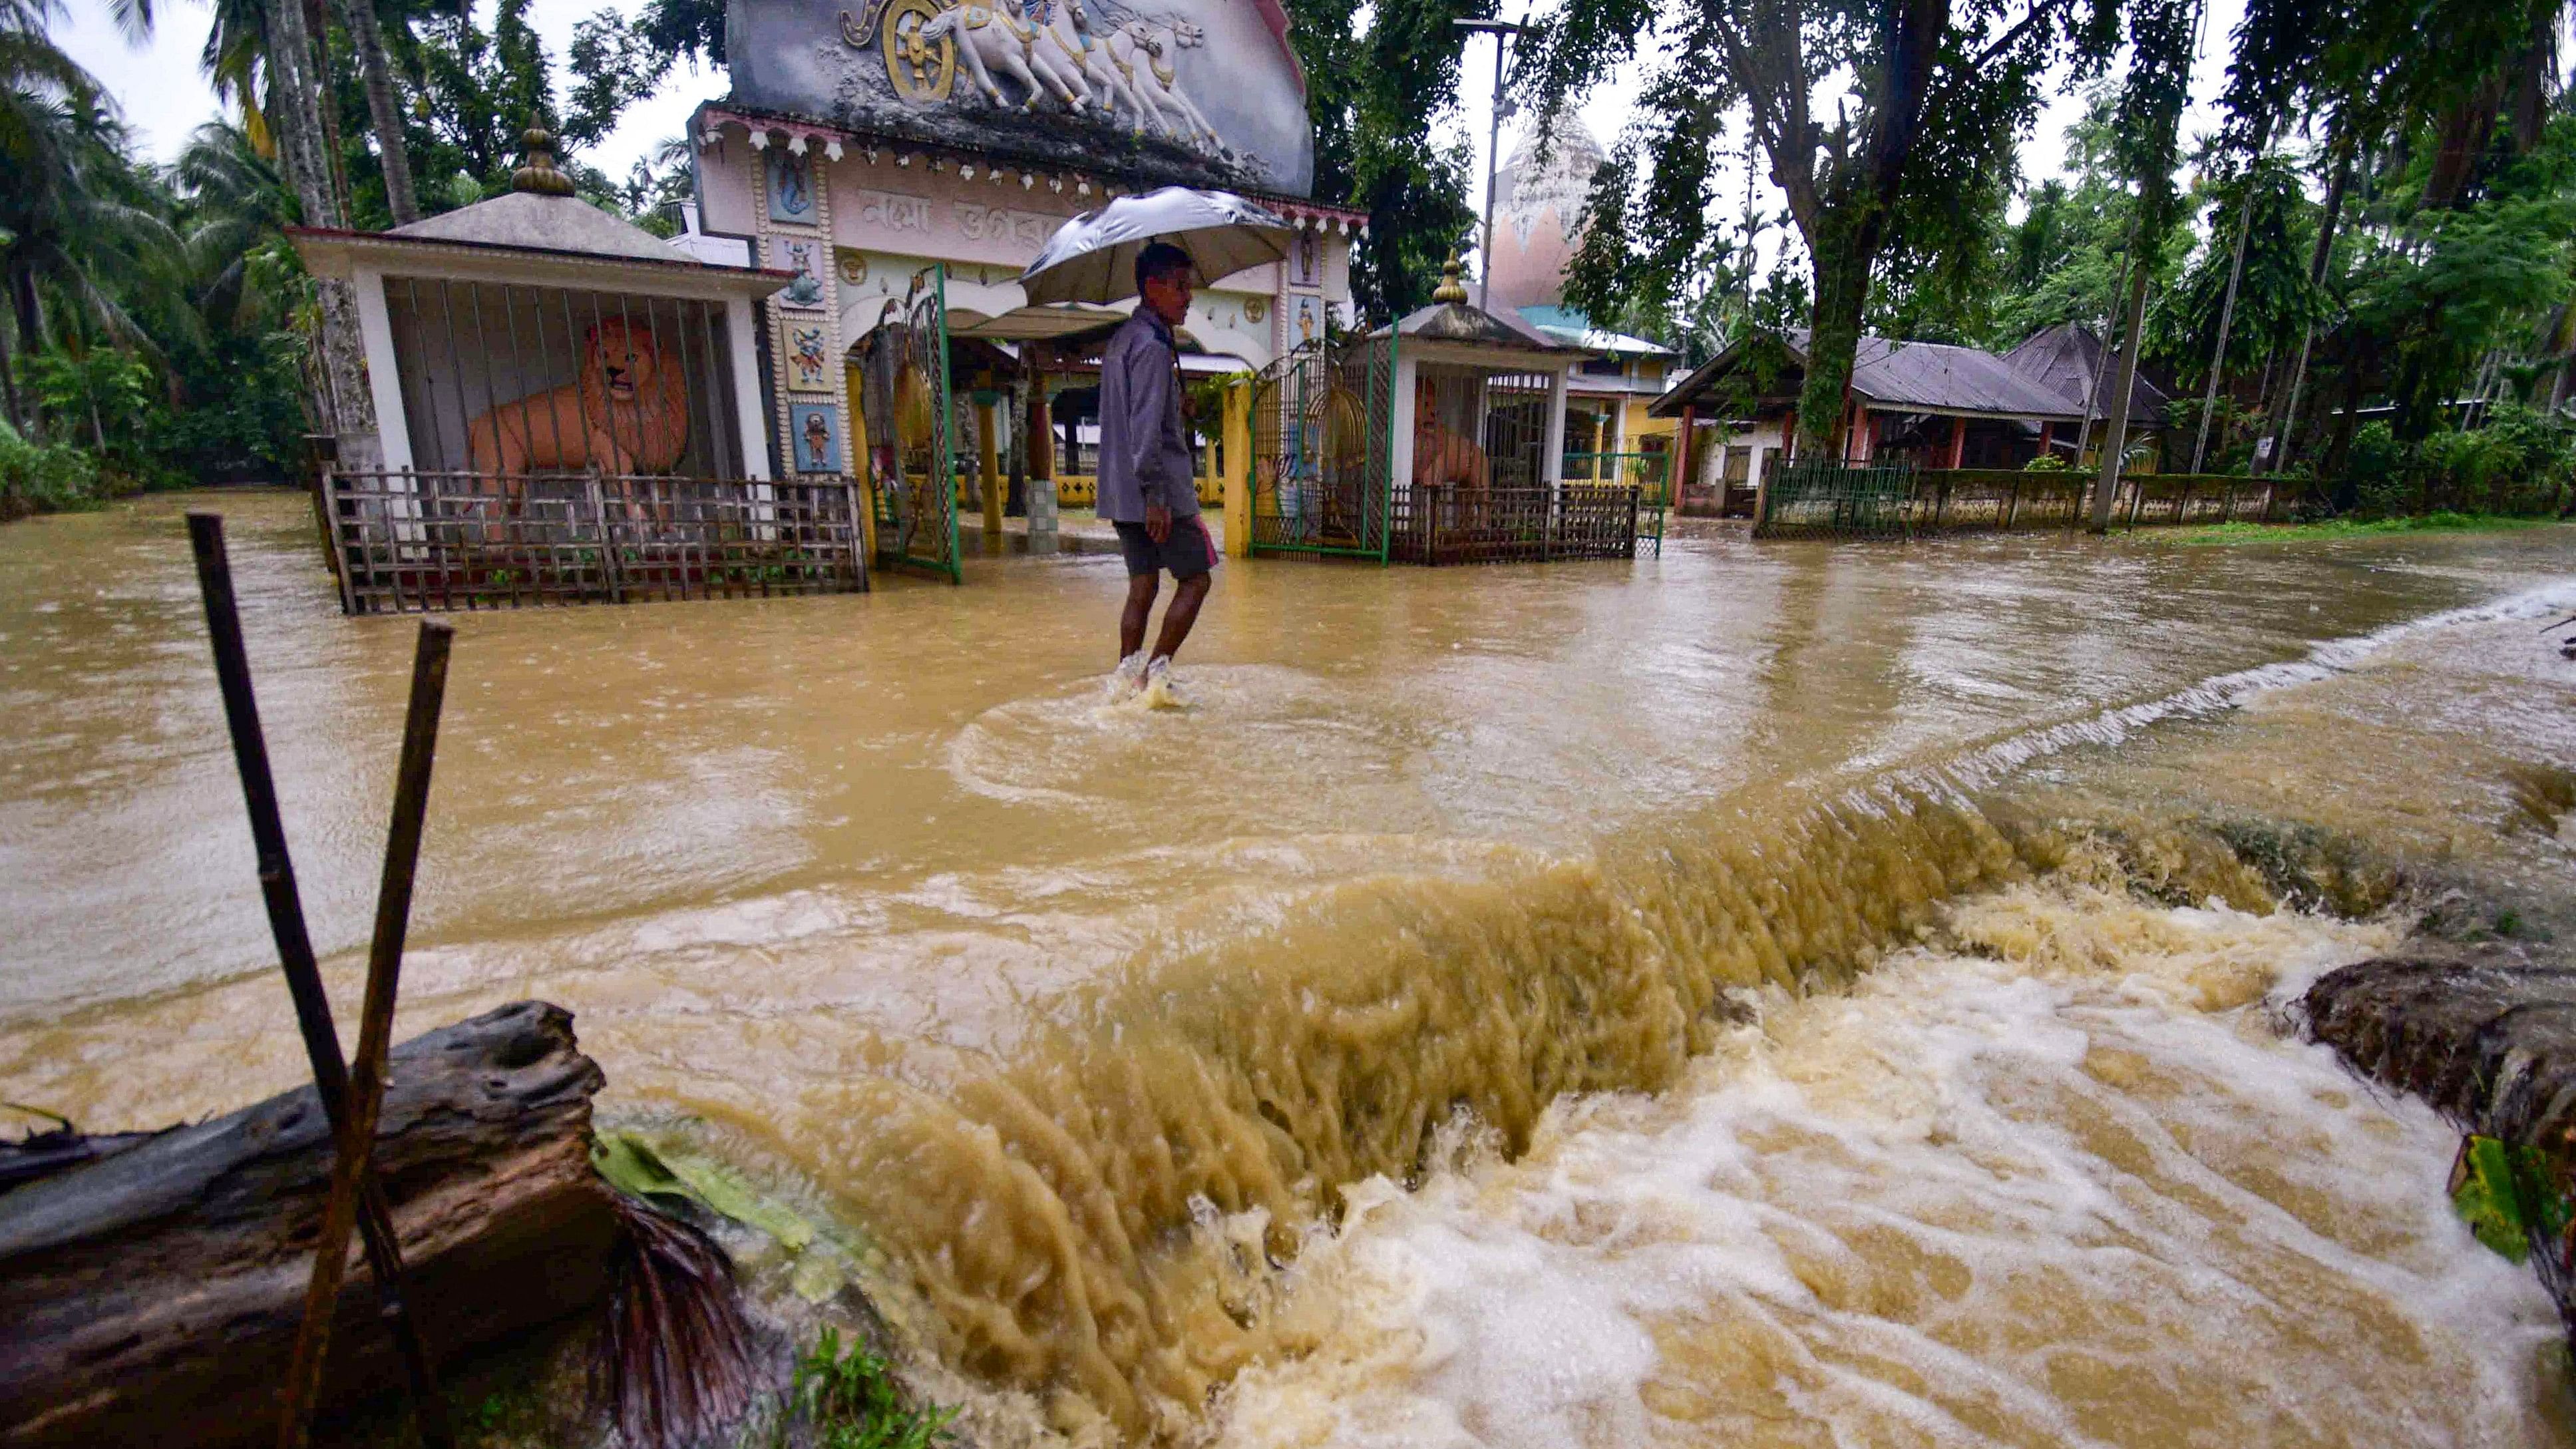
x: 922, y: 70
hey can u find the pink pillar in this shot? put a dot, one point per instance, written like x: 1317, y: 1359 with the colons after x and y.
x: 1958, y: 442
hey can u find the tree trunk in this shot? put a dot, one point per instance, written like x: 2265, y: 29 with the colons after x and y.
x: 2226, y: 320
x: 296, y: 120
x: 2115, y: 427
x: 384, y: 107
x: 2286, y: 415
x: 1843, y: 248
x: 9, y: 387
x: 28, y: 311
x: 152, y: 1293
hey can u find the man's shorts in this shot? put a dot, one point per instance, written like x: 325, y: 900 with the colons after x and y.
x: 1186, y: 550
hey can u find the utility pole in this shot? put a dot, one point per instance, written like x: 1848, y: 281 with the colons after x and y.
x: 1502, y: 31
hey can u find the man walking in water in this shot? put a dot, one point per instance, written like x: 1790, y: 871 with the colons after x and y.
x: 1145, y: 485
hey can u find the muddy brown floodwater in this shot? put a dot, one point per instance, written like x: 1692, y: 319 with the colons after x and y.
x: 1705, y: 1000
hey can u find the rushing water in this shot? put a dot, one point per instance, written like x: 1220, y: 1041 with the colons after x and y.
x: 1715, y: 999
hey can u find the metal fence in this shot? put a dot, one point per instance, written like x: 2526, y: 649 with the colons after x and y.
x: 1819, y: 498
x: 1323, y: 450
x: 405, y: 541
x: 1437, y: 523
x: 1648, y: 473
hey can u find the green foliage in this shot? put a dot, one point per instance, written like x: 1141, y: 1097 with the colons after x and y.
x: 852, y: 1401
x: 2511, y: 1194
x: 2049, y: 462
x: 1380, y: 75
x: 2344, y: 528
x: 2522, y: 462
x: 44, y: 478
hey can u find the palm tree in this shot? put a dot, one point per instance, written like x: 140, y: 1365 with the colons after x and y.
x: 238, y: 208
x: 384, y: 108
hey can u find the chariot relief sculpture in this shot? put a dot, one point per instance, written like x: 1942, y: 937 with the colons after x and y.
x: 1055, y: 53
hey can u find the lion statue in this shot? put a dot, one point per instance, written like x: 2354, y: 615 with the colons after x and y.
x: 628, y: 412
x: 1442, y: 454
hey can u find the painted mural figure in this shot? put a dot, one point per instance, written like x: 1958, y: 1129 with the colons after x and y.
x: 791, y: 188
x: 806, y: 355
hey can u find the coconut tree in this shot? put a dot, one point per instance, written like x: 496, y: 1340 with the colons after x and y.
x: 74, y: 214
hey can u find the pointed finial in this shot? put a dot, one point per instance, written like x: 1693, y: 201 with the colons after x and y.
x: 1451, y: 289
x: 539, y: 175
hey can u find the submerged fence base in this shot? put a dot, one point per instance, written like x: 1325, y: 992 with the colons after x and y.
x: 408, y: 541
x: 1829, y: 500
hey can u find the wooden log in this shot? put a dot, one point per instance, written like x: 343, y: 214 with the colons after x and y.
x: 152, y: 1295
x: 2488, y: 1039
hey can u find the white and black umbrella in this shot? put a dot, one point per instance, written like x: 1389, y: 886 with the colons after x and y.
x: 1092, y: 258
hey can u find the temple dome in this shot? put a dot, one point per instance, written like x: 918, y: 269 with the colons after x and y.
x: 1535, y: 205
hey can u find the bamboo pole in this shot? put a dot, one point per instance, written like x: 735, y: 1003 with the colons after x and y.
x: 375, y: 1029
x: 295, y: 957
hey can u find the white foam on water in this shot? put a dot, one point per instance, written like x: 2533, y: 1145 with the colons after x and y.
x: 1981, y: 768
x: 2053, y: 1181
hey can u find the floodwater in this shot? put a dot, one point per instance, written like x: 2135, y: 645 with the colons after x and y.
x: 1769, y: 994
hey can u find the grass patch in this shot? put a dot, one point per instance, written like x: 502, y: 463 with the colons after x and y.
x: 852, y: 1401
x: 2333, y: 528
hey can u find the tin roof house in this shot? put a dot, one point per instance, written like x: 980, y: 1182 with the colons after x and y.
x: 1936, y: 404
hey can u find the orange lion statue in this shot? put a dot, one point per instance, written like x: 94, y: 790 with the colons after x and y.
x: 1441, y: 454
x: 628, y: 412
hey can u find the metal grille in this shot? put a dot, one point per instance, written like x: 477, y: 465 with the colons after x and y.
x: 405, y: 542
x: 1440, y: 523
x: 1648, y: 473
x: 1323, y: 422
x: 905, y: 406
x: 504, y: 379
x: 1818, y: 498
x: 1515, y: 430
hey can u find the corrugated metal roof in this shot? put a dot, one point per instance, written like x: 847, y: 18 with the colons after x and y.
x: 1936, y: 377
x: 2068, y: 358
x: 2034, y: 382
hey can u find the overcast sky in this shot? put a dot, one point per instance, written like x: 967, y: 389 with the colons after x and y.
x: 164, y: 96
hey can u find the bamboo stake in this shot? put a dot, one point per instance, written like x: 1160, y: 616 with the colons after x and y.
x: 375, y: 1029
x: 295, y: 956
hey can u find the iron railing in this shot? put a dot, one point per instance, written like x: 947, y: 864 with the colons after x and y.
x: 1459, y: 524
x: 1821, y: 498
x: 410, y: 542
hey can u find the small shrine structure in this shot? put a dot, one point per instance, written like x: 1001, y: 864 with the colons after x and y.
x: 1479, y: 443
x: 569, y: 410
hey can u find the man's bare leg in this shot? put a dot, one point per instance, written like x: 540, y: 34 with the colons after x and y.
x: 1141, y: 589
x: 1178, y: 619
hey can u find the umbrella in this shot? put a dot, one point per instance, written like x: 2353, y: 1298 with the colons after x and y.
x: 1092, y: 258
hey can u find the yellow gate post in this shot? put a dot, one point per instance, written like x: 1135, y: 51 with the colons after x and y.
x: 1238, y: 469
x: 988, y: 461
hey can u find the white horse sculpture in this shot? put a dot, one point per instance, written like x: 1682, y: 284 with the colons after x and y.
x: 1068, y: 33
x: 998, y: 37
x: 1143, y: 51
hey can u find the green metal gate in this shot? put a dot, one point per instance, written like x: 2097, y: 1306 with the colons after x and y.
x: 1820, y: 498
x: 1323, y: 450
x: 911, y: 424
